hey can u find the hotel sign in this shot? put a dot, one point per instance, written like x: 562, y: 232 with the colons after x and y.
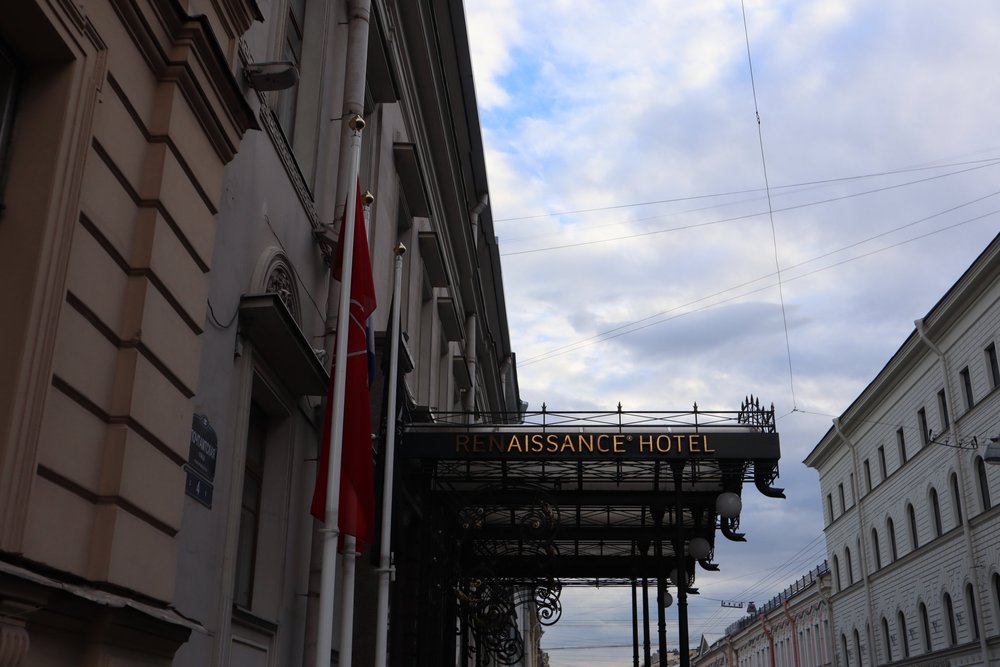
x: 490, y: 444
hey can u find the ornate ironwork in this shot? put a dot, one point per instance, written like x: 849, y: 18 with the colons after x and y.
x: 547, y: 603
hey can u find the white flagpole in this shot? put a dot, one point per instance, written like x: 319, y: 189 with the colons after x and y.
x: 385, y: 569
x: 331, y: 526
x: 347, y: 602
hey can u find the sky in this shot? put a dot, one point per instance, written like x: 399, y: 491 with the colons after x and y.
x: 661, y: 248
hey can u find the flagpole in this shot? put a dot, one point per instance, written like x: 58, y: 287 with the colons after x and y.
x: 331, y: 528
x: 385, y: 568
x: 347, y: 602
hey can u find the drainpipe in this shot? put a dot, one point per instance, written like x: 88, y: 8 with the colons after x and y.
x: 970, y: 557
x: 795, y: 629
x: 469, y: 400
x: 484, y: 199
x: 859, y: 503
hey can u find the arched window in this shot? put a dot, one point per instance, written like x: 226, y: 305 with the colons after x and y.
x: 857, y: 646
x: 949, y: 613
x: 936, y: 513
x: 891, y: 529
x: 956, y: 499
x: 970, y: 608
x: 843, y: 647
x: 912, y: 518
x: 836, y: 574
x: 876, y: 551
x: 886, y: 640
x: 925, y: 625
x: 901, y: 625
x: 984, y: 484
x: 850, y: 568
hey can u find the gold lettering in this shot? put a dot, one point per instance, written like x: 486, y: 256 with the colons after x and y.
x: 618, y: 442
x: 601, y: 447
x: 586, y: 442
x: 568, y: 444
x: 645, y: 441
x: 679, y: 440
x: 496, y: 445
x: 694, y: 442
x: 477, y: 443
x: 537, y: 442
x: 659, y: 447
x: 515, y: 444
x: 708, y: 450
x: 461, y: 443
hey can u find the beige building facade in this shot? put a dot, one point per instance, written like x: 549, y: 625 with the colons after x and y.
x: 911, y: 501
x: 168, y: 229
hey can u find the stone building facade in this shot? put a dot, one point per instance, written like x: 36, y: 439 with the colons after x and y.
x: 166, y: 230
x: 910, y: 503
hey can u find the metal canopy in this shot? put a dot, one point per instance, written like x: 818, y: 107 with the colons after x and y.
x: 580, y: 496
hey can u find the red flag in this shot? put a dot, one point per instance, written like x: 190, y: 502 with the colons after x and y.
x: 357, y: 486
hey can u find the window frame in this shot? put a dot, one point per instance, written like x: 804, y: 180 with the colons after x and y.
x: 942, y: 399
x: 967, y: 392
x: 993, y: 365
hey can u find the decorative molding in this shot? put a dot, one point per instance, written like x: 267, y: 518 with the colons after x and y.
x: 184, y: 50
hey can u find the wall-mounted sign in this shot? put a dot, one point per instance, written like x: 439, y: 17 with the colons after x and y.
x: 541, y: 444
x: 202, y: 456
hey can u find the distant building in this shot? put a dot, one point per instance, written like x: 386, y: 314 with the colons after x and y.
x: 912, y: 508
x: 791, y: 630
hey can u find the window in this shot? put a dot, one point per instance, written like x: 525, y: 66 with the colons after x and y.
x: 853, y: 489
x: 970, y: 608
x: 949, y: 613
x: 984, y: 484
x: 850, y: 567
x: 840, y: 492
x: 936, y: 513
x: 8, y: 88
x: 881, y: 462
x: 996, y: 591
x: 901, y: 627
x: 876, y: 550
x: 891, y: 528
x: 836, y: 574
x: 956, y: 499
x: 967, y: 388
x: 886, y: 640
x: 901, y: 446
x: 943, y: 410
x: 857, y: 645
x: 912, y: 518
x: 922, y: 422
x: 925, y: 625
x: 868, y: 475
x: 253, y: 476
x: 291, y: 50
x: 829, y: 506
x: 991, y: 361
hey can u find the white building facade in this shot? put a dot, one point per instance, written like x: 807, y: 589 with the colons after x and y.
x: 910, y: 504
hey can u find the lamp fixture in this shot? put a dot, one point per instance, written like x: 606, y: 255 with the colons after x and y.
x: 728, y: 505
x: 993, y: 451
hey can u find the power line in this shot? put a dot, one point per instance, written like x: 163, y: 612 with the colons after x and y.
x: 631, y: 328
x: 770, y: 208
x: 748, y: 215
x: 729, y: 193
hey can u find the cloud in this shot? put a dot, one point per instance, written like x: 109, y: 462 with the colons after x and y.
x: 592, y: 106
